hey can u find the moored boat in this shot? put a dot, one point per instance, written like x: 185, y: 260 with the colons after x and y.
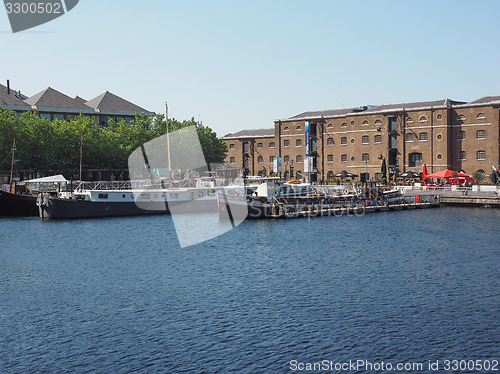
x: 20, y: 199
x: 17, y: 205
x: 98, y: 203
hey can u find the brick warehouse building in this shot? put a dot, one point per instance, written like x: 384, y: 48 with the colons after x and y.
x: 442, y: 134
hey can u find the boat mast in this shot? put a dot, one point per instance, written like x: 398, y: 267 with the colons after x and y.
x: 81, y: 156
x: 168, y: 140
x: 13, y: 149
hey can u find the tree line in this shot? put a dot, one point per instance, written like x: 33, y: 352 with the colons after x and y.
x: 46, y: 147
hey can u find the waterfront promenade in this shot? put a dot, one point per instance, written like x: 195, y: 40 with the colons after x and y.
x: 475, y: 195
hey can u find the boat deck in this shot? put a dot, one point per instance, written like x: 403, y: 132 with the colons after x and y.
x: 358, y: 210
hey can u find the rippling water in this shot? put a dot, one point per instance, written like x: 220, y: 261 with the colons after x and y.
x: 120, y: 295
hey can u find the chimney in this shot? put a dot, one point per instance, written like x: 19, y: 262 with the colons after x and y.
x: 8, y: 87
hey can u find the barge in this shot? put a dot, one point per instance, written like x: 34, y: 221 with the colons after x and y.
x: 97, y: 203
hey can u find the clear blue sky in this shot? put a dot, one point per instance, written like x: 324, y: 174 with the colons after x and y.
x: 242, y: 64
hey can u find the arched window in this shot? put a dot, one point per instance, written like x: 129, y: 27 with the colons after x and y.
x: 365, y: 123
x: 330, y: 126
x: 461, y: 117
x: 422, y: 119
x: 330, y: 174
x: 286, y: 128
x: 481, y: 116
x: 378, y: 122
x: 298, y: 128
x: 409, y: 120
x: 343, y: 124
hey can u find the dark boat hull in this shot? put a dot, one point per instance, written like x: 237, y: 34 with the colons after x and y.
x: 55, y: 208
x: 13, y: 205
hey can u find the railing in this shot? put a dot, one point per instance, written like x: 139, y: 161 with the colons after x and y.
x: 146, y: 184
x: 452, y: 191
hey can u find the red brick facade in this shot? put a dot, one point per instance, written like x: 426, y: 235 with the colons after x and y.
x: 442, y: 134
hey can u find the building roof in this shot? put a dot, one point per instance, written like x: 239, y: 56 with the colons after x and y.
x: 323, y: 113
x: 113, y: 104
x: 53, y: 100
x: 12, y: 100
x: 415, y: 105
x: 258, y: 133
x: 486, y: 99
x: 371, y: 109
x: 80, y: 99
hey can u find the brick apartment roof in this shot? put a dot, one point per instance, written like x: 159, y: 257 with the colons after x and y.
x: 374, y: 109
x: 15, y: 98
x: 52, y: 100
x: 486, y: 99
x: 109, y: 102
x: 414, y: 105
x: 324, y: 113
x: 259, y: 133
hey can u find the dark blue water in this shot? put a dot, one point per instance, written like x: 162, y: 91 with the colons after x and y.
x: 121, y: 296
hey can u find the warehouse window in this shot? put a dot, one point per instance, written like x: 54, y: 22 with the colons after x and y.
x: 481, y: 134
x: 481, y: 155
x: 415, y: 159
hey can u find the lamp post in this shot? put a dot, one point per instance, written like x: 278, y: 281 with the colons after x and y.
x: 366, y: 170
x: 291, y: 169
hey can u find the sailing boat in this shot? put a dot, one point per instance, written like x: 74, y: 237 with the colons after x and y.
x: 14, y: 201
x: 17, y: 201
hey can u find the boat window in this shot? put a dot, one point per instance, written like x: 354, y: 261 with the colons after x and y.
x: 102, y: 196
x: 211, y: 193
x: 145, y: 196
x: 174, y: 195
